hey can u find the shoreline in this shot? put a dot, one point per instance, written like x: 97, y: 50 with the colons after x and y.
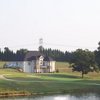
x: 6, y: 94
x: 22, y: 94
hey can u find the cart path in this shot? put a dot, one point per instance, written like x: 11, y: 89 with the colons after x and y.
x: 7, y: 79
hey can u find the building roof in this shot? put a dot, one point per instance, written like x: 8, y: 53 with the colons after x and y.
x: 34, y: 55
x: 46, y: 58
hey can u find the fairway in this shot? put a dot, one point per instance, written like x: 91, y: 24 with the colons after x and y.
x: 13, y: 81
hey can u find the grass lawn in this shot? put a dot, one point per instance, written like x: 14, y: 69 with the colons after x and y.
x: 2, y: 64
x: 45, y: 83
x: 62, y: 67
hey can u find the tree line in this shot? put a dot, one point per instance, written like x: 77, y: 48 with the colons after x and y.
x: 83, y: 61
x: 80, y: 60
x: 9, y: 55
x: 57, y: 55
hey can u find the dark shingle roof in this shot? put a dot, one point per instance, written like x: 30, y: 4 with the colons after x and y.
x: 34, y: 55
x: 46, y: 58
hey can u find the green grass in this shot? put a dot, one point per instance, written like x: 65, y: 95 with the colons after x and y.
x: 62, y: 67
x: 45, y: 83
x: 2, y: 64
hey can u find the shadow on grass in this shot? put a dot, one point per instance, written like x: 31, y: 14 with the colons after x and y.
x: 89, y: 81
x: 60, y: 75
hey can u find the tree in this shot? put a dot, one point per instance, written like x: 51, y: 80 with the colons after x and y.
x: 20, y: 54
x: 84, y: 61
x: 7, y: 54
x: 41, y: 48
x: 55, y: 54
x: 97, y: 55
x: 68, y: 56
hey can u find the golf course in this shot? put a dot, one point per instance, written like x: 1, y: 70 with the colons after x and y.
x: 15, y: 83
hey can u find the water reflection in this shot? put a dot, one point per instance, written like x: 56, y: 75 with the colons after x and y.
x: 90, y: 96
x: 61, y: 98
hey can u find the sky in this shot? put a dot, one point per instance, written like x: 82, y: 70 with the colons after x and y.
x: 63, y: 24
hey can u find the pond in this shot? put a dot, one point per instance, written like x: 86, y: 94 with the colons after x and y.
x: 90, y: 96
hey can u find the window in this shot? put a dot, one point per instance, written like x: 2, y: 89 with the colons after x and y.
x: 41, y: 60
x: 29, y: 63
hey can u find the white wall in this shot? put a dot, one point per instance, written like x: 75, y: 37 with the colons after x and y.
x: 29, y: 66
x: 52, y: 66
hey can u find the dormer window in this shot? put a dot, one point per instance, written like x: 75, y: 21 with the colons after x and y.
x: 41, y: 60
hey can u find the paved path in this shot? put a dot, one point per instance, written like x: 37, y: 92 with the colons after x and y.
x: 2, y: 77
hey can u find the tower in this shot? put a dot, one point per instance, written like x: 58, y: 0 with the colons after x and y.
x: 40, y: 44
